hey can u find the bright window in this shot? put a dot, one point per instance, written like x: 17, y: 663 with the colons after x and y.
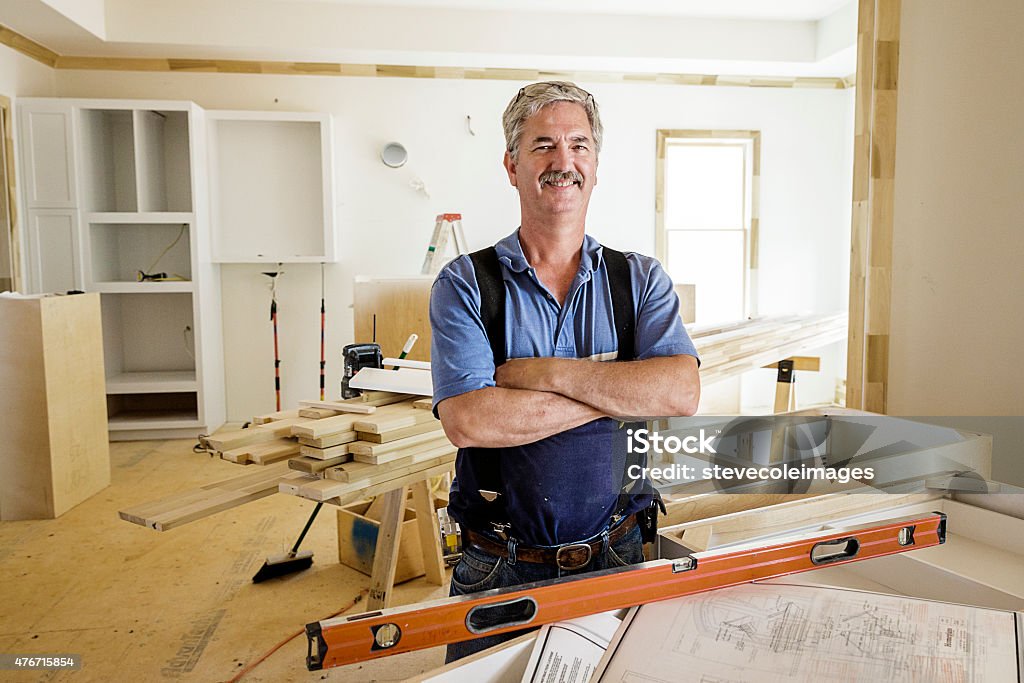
x: 706, y: 187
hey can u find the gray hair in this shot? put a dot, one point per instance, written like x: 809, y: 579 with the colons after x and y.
x: 534, y: 97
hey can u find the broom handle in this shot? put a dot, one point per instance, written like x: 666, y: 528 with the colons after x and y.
x: 309, y: 523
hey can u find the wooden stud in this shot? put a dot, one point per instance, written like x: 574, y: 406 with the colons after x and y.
x: 867, y: 370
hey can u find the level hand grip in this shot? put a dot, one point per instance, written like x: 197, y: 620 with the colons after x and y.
x: 484, y: 618
x: 840, y: 549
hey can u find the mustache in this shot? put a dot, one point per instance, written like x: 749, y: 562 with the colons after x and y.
x: 556, y: 176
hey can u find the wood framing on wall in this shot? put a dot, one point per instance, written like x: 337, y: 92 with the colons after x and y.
x: 753, y: 232
x: 10, y: 190
x: 874, y: 166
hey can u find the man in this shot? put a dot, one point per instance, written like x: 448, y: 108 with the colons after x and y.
x: 539, y: 491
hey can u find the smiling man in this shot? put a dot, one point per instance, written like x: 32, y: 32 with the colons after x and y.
x: 524, y: 335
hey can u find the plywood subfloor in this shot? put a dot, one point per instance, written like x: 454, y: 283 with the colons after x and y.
x: 144, y: 605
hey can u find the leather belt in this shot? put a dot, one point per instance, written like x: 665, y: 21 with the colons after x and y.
x: 568, y: 557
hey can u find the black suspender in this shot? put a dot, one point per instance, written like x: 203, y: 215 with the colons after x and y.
x: 491, y: 284
x: 492, y: 299
x: 623, y: 314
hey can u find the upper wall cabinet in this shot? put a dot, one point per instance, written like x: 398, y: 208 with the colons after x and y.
x: 135, y: 161
x: 48, y: 154
x: 271, y: 187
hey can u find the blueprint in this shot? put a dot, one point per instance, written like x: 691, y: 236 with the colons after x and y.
x: 760, y: 633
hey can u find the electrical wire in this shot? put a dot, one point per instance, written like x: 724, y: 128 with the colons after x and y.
x: 169, y: 247
x: 362, y: 594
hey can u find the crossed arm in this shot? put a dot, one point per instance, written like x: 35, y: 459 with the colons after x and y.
x: 537, y: 397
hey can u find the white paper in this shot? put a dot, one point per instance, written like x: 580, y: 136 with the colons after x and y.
x: 763, y: 633
x: 568, y: 651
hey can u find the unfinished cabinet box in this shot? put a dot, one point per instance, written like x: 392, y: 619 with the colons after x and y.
x: 272, y: 182
x: 357, y: 541
x: 54, y: 453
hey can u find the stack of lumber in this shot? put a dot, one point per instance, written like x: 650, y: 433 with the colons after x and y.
x: 391, y: 441
x: 364, y: 455
x: 269, y: 439
x: 733, y: 349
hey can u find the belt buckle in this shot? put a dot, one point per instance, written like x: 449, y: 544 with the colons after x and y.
x: 569, y: 548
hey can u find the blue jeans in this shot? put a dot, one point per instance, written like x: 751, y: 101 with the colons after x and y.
x: 479, y: 570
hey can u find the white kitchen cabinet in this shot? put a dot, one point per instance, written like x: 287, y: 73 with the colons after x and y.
x: 129, y: 218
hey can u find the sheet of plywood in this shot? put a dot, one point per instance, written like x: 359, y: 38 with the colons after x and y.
x: 388, y: 310
x: 52, y: 398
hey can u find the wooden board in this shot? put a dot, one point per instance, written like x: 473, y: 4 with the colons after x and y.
x: 310, y: 465
x: 271, y: 417
x: 315, y: 429
x: 371, y: 448
x: 204, y: 501
x: 52, y: 398
x: 404, y: 432
x: 370, y: 485
x: 340, y: 406
x: 388, y: 310
x: 230, y: 439
x: 264, y: 453
x: 324, y: 453
x: 388, y: 423
x: 733, y: 349
x: 329, y: 440
x: 364, y: 471
x: 405, y: 451
x: 404, y: 380
x: 317, y: 413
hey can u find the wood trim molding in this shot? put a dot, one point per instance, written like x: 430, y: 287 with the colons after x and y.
x: 12, y: 192
x: 874, y: 166
x: 27, y: 47
x: 42, y: 54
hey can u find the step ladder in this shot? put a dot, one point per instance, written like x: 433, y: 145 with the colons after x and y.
x: 447, y: 228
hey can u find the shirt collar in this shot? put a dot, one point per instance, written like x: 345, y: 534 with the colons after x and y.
x: 510, y: 252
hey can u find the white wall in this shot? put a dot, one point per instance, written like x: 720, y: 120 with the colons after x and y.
x: 958, y: 237
x: 385, y: 225
x: 21, y: 76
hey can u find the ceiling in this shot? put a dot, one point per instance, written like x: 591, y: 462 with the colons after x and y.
x: 732, y: 37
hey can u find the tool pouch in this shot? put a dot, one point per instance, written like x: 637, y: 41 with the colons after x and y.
x: 647, y: 520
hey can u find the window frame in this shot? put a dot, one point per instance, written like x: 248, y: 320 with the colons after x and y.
x: 751, y: 141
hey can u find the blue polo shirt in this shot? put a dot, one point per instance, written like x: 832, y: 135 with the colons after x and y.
x: 566, y: 487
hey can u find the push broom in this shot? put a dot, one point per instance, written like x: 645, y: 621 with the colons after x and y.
x: 293, y: 560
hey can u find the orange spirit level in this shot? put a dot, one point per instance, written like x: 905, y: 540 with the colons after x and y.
x: 356, y: 638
